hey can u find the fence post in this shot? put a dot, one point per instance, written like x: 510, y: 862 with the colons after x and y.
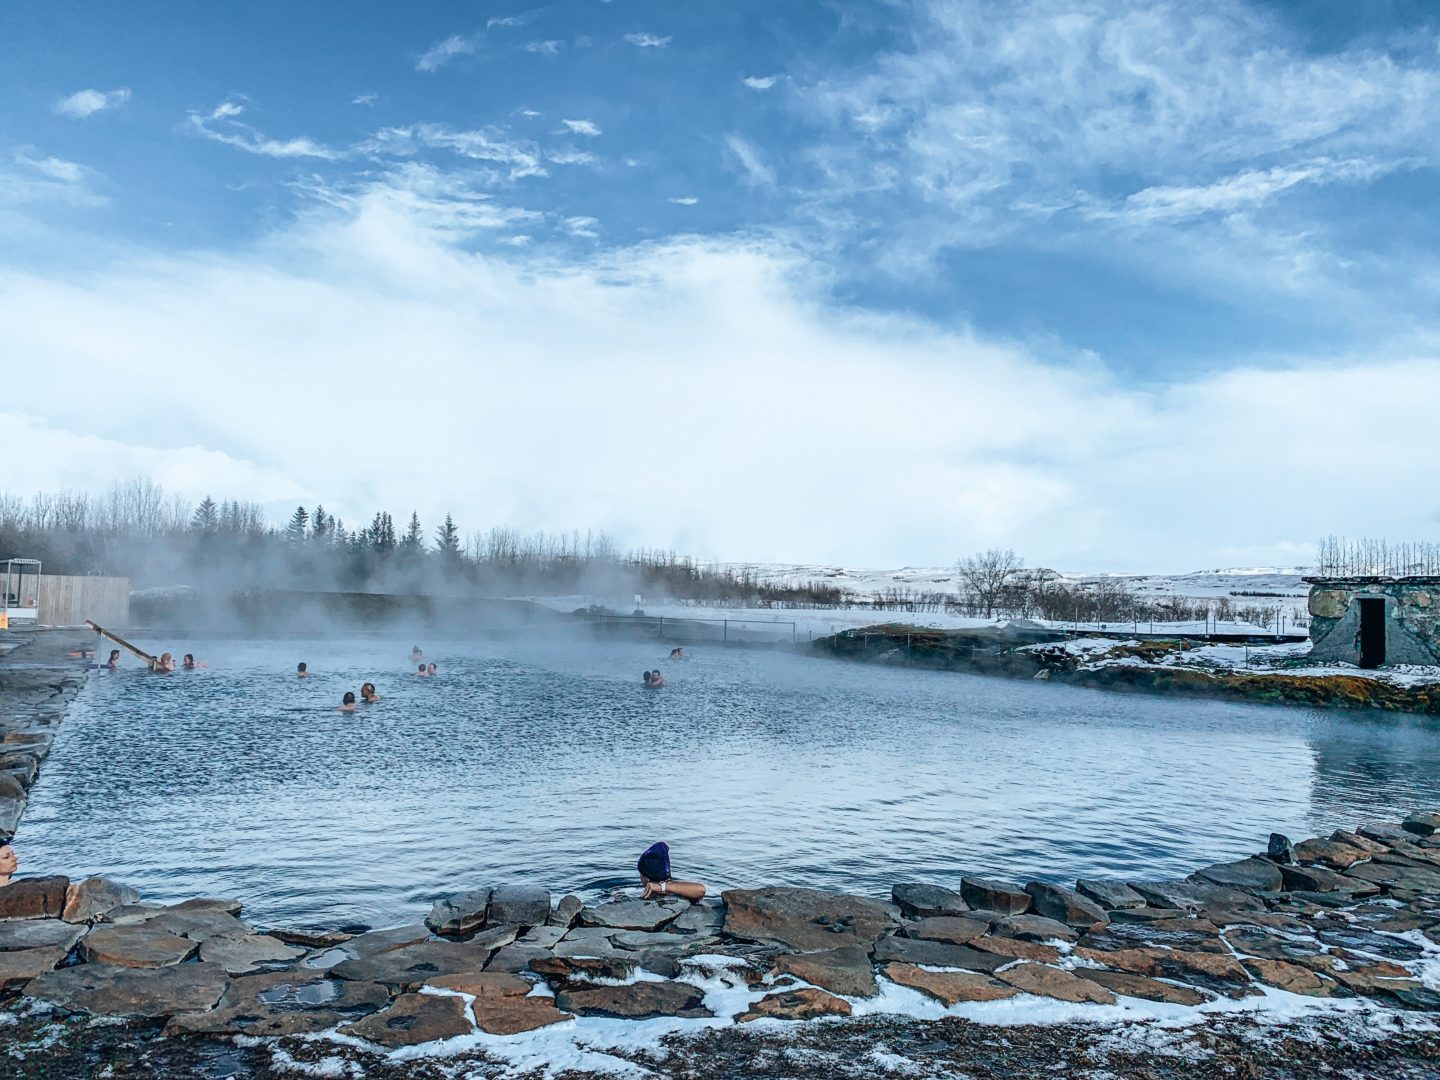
x: 725, y: 635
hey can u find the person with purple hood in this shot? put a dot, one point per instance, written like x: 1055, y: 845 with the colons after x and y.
x: 654, y: 867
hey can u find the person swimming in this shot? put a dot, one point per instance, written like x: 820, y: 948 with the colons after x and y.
x: 301, y: 671
x: 654, y: 868
x: 432, y: 670
x: 347, y: 703
x: 368, y: 694
x: 422, y: 670
x: 654, y: 680
x: 677, y: 653
x: 416, y: 654
x: 165, y: 663
x: 190, y: 663
x: 9, y: 863
x: 113, y: 664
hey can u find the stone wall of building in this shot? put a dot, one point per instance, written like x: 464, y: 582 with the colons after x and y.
x: 1412, y: 619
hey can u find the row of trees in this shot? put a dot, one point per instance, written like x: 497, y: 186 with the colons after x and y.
x: 1340, y: 556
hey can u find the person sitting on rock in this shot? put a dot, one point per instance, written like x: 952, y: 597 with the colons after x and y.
x: 347, y: 703
x: 654, y: 867
x: 301, y: 671
x: 8, y: 862
x: 368, y: 694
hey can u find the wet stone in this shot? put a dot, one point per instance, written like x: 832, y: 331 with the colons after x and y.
x: 1366, y: 941
x: 91, y: 899
x: 1248, y: 875
x: 460, y: 914
x: 1289, y: 977
x: 937, y: 954
x: 919, y: 901
x: 1140, y: 915
x: 412, y: 965
x: 283, y: 1003
x: 991, y: 895
x: 1194, y: 935
x: 1321, y: 879
x: 1138, y: 986
x: 515, y: 958
x: 413, y: 1019
x: 951, y: 929
x: 239, y: 956
x: 706, y: 917
x: 1421, y: 824
x: 140, y: 946
x: 566, y: 911
x: 806, y: 920
x: 595, y: 967
x: 636, y: 1001
x: 512, y: 1015
x: 39, y: 933
x: 33, y: 898
x: 633, y: 914
x: 1279, y: 849
x: 1258, y: 943
x: 1052, y: 982
x: 1211, y: 971
x: 1384, y: 832
x: 841, y: 971
x: 310, y: 938
x: 198, y: 924
x: 375, y: 942
x: 949, y: 987
x: 108, y: 990
x: 1196, y: 896
x: 803, y: 1004
x: 518, y: 905
x: 1328, y: 853
x: 1035, y: 928
x: 19, y: 966
x: 1065, y: 906
x: 1016, y: 949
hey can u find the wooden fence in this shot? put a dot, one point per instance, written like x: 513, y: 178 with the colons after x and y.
x: 69, y: 601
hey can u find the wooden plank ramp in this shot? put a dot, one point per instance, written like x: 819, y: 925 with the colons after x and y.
x: 141, y: 653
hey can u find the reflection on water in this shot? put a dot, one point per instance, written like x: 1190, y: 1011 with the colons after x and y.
x: 551, y: 764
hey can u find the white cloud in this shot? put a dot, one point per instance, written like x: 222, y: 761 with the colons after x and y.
x: 504, y: 21
x: 683, y: 200
x: 442, y: 52
x: 648, y: 41
x: 757, y: 82
x: 365, y: 99
x: 570, y: 157
x: 581, y: 226
x: 582, y: 127
x: 521, y: 158
x: 544, y: 48
x: 85, y: 103
x: 34, y: 180
x: 221, y: 124
x: 748, y: 155
x: 1064, y: 462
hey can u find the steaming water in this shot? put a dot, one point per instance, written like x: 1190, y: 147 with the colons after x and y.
x: 550, y: 764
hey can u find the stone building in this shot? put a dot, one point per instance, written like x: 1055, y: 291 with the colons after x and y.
x: 1370, y: 621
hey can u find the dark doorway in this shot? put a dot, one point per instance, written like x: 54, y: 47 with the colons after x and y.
x: 1372, y: 633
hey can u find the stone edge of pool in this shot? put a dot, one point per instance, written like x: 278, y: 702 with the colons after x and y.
x: 1355, y: 915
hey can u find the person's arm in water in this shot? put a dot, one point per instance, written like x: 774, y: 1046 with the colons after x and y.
x: 686, y: 890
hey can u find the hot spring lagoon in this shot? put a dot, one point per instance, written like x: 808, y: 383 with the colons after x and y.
x: 547, y: 764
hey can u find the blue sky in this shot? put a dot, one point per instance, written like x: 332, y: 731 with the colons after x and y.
x: 883, y: 283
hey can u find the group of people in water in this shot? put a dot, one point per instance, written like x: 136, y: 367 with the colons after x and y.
x: 368, y: 696
x: 163, y: 662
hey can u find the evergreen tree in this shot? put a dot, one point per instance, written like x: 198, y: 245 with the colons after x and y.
x: 321, y: 524
x: 382, y: 533
x: 299, y: 526
x: 206, y: 518
x: 414, y: 540
x: 447, y: 540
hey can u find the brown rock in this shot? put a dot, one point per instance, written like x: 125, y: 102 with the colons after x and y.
x: 636, y: 1001
x: 1034, y: 928
x: 598, y: 967
x: 953, y: 930
x: 241, y: 955
x: 512, y: 1015
x: 228, y: 904
x: 21, y: 965
x: 108, y: 990
x: 311, y: 939
x: 987, y: 894
x: 413, y: 965
x: 199, y: 924
x: 1052, y: 982
x: 485, y: 984
x: 1171, y: 963
x: 39, y: 933
x: 841, y: 971
x: 1291, y: 977
x: 936, y: 954
x: 1139, y: 986
x: 34, y: 898
x: 805, y: 1004
x: 1019, y: 950
x: 88, y: 900
x: 413, y: 1019
x: 949, y: 987
x: 140, y: 946
x: 1065, y: 906
x: 283, y: 1003
x: 1329, y: 853
x: 806, y: 920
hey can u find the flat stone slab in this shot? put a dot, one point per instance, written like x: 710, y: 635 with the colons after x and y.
x: 518, y: 905
x: 992, y: 895
x: 283, y: 1003
x: 1016, y: 949
x: 570, y: 967
x: 803, y: 1004
x: 1195, y: 935
x: 34, y: 898
x: 951, y: 929
x: 1052, y: 982
x: 412, y: 965
x: 39, y: 933
x: 512, y: 1015
x: 636, y: 1001
x: 459, y: 914
x: 1035, y: 928
x: 19, y: 966
x: 1329, y: 853
x: 375, y: 942
x: 1249, y: 875
x: 1291, y: 977
x: 88, y: 900
x: 846, y: 970
x: 240, y: 956
x: 806, y: 920
x: 1323, y: 879
x: 546, y: 937
x: 413, y: 1019
x: 1138, y: 986
x: 1212, y: 971
x: 937, y: 954
x: 142, y: 945
x: 1065, y: 906
x: 633, y: 914
x: 150, y: 993
x: 949, y: 987
x: 1196, y: 896
x: 566, y: 911
x: 919, y: 901
x: 515, y: 958
x: 1359, y: 939
x: 199, y: 923
x: 485, y: 984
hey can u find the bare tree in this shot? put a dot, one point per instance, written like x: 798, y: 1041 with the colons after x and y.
x: 985, y: 575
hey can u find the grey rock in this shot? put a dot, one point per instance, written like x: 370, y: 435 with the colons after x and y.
x: 12, y: 809
x: 1064, y: 905
x: 585, y: 967
x: 141, y: 946
x: 1196, y: 896
x: 587, y: 947
x: 242, y: 955
x: 951, y: 929
x: 515, y: 958
x: 376, y: 942
x: 11, y: 787
x: 992, y: 895
x: 19, y: 966
x: 662, y: 962
x: 39, y: 933
x: 93, y: 898
x: 413, y: 1019
x: 1384, y: 832
x: 128, y: 914
x: 109, y: 990
x: 1249, y: 875
x: 1421, y: 824
x: 633, y: 914
x: 566, y: 911
x: 461, y: 913
x: 805, y: 920
x: 636, y: 1001
x: 1035, y: 928
x: 227, y: 904
x: 702, y: 918
x: 646, y: 939
x: 845, y: 970
x: 937, y: 954
x: 518, y: 905
x: 1319, y: 879
x: 283, y: 1003
x: 920, y: 901
x: 410, y: 965
x: 199, y: 924
x: 1145, y: 914
x: 1279, y: 849
x: 542, y: 937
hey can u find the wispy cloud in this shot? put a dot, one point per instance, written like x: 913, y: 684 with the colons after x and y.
x: 85, y: 103
x: 365, y: 99
x: 519, y: 158
x: 648, y: 41
x: 442, y: 52
x: 504, y: 21
x: 221, y: 124
x: 748, y: 155
x: 683, y: 200
x: 544, y: 48
x: 759, y: 82
x: 582, y: 127
x: 36, y: 180
x: 581, y: 226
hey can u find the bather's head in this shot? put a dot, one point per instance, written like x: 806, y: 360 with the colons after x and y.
x: 421, y: 670
x: 430, y: 670
x: 300, y: 668
x: 8, y: 861
x: 349, y: 698
x: 367, y: 691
